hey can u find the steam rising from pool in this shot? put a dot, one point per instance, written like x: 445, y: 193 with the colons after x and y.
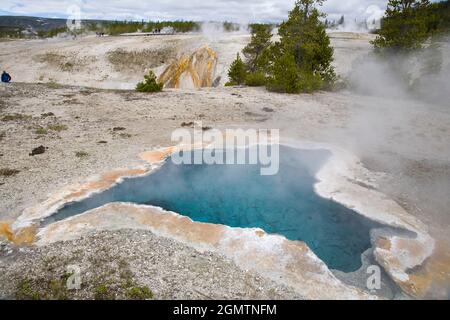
x: 238, y: 196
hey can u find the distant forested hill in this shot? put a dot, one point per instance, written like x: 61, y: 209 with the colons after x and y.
x: 19, y: 27
x: 35, y: 23
x: 31, y: 23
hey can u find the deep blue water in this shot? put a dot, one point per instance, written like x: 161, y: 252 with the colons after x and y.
x: 238, y: 196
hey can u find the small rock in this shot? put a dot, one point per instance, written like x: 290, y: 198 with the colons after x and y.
x: 48, y: 114
x: 187, y: 124
x: 216, y: 82
x: 38, y: 150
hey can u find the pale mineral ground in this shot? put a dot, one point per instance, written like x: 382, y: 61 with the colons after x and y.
x: 76, y: 98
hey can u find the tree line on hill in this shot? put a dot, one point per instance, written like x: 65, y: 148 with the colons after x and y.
x: 106, y: 27
x: 16, y: 28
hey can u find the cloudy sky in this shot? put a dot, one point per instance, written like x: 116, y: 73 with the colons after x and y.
x: 198, y: 10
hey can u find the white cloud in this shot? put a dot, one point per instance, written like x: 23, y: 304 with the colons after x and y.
x: 199, y: 10
x: 352, y: 8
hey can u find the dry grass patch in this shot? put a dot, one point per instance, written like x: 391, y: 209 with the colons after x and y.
x: 139, y: 61
x: 57, y: 127
x: 52, y: 59
x: 63, y: 62
x: 81, y: 154
x: 16, y: 117
x: 53, y: 85
x: 41, y: 131
x: 71, y: 102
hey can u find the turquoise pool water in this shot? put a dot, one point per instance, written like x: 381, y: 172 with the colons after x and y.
x: 238, y: 196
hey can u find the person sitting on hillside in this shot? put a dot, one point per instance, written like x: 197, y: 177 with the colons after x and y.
x: 6, y: 77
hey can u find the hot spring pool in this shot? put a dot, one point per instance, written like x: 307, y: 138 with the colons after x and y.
x: 238, y: 196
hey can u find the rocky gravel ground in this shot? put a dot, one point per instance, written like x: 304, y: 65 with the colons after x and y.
x: 127, y: 264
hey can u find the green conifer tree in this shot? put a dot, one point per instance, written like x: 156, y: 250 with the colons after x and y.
x: 405, y: 27
x: 303, y: 36
x: 237, y: 72
x: 285, y: 75
x: 260, y: 41
x: 150, y: 84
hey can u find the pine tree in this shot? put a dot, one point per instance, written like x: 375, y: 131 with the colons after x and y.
x: 237, y: 72
x: 285, y: 75
x: 260, y: 41
x: 300, y: 62
x: 149, y: 84
x: 303, y: 36
x: 405, y: 27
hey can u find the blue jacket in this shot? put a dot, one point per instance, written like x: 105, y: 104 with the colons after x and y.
x: 6, y: 77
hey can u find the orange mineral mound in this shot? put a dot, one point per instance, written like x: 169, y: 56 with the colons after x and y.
x: 24, y: 236
x: 5, y: 230
x: 191, y: 71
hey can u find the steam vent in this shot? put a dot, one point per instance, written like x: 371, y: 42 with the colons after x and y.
x: 191, y: 71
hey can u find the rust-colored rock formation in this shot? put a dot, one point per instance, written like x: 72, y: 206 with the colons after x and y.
x: 5, y: 230
x: 23, y: 236
x: 191, y: 71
